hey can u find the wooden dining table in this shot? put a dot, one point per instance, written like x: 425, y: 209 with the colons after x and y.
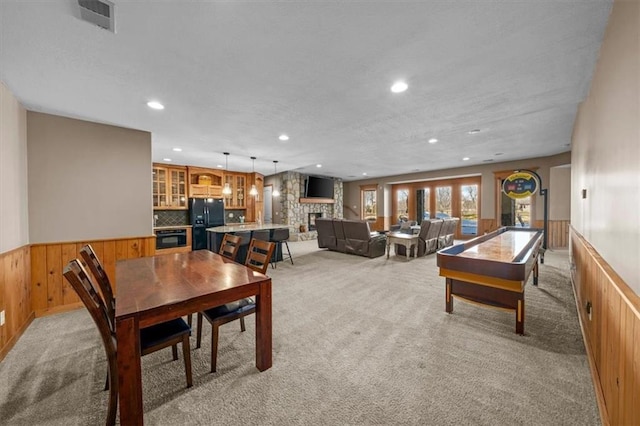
x: 155, y: 289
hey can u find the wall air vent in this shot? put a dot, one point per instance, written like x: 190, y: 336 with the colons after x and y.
x: 98, y: 12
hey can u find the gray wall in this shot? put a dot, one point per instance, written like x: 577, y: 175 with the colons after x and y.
x: 606, y: 149
x: 14, y: 216
x: 87, y: 180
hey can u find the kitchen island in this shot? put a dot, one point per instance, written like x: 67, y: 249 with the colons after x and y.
x: 216, y: 234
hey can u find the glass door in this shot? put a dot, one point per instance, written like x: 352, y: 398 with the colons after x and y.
x: 443, y: 202
x: 469, y: 209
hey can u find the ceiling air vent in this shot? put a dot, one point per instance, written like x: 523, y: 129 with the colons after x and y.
x: 99, y: 13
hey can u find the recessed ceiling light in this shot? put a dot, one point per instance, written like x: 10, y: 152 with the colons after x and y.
x: 283, y: 137
x: 465, y: 159
x: 220, y: 166
x: 364, y: 173
x: 399, y: 87
x: 177, y: 149
x: 155, y: 105
x: 166, y: 159
x: 474, y: 131
x: 433, y: 140
x: 318, y: 165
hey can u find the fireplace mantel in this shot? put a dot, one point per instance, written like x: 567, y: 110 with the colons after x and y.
x: 317, y: 200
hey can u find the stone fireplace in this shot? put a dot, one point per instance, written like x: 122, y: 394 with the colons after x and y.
x: 312, y: 220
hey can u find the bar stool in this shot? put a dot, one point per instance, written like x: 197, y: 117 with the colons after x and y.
x: 280, y: 236
x: 261, y: 234
x: 245, y: 239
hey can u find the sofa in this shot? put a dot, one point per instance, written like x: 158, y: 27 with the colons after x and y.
x: 428, y: 239
x: 350, y: 236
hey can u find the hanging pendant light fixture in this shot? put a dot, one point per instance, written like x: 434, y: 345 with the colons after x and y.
x: 253, y: 191
x: 275, y: 192
x: 227, y: 187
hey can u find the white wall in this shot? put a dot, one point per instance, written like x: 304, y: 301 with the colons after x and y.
x: 14, y: 217
x: 87, y: 180
x: 606, y: 149
x: 560, y: 182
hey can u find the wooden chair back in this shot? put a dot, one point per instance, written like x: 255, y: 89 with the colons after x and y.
x: 91, y: 259
x: 259, y: 255
x: 229, y: 246
x: 77, y: 276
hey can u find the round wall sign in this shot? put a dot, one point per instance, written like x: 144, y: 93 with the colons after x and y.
x: 520, y: 185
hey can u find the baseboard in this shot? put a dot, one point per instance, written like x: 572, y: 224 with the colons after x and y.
x: 58, y: 309
x: 11, y: 343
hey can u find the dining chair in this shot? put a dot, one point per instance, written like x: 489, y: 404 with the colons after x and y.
x: 77, y: 276
x: 229, y: 246
x: 152, y: 338
x: 258, y: 257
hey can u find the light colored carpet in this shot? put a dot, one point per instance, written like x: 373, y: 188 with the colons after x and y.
x: 356, y: 341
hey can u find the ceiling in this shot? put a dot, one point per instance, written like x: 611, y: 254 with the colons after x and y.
x: 235, y: 75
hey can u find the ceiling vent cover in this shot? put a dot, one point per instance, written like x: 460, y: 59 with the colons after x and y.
x: 98, y: 12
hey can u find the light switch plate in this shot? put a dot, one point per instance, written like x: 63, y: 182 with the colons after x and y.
x: 1, y: 318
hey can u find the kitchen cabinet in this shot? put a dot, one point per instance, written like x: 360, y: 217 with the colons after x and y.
x: 205, y: 183
x: 237, y: 198
x: 169, y: 187
x: 255, y: 204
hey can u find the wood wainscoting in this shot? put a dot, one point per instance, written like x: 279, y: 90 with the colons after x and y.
x: 558, y: 231
x: 609, y: 312
x: 15, y: 296
x: 50, y: 292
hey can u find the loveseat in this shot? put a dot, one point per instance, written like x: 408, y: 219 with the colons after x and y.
x: 350, y: 236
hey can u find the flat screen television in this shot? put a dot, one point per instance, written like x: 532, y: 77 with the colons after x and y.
x: 318, y: 187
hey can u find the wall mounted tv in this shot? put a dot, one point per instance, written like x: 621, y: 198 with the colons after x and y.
x: 318, y: 187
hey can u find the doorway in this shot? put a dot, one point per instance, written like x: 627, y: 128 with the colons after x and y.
x: 267, y: 207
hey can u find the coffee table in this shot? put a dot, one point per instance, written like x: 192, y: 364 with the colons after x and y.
x: 407, y: 240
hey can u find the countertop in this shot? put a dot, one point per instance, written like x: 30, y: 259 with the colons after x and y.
x: 247, y: 227
x: 171, y: 227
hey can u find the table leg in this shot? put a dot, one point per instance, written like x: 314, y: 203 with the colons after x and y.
x: 535, y: 272
x: 448, y: 298
x: 388, y: 247
x: 129, y: 371
x: 520, y: 316
x: 263, y: 327
x: 408, y: 250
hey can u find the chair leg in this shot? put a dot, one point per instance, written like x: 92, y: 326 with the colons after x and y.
x: 242, y: 327
x: 288, y: 251
x: 190, y: 319
x: 214, y: 346
x: 113, y: 391
x: 106, y: 382
x: 174, y: 351
x: 186, y: 352
x: 275, y: 257
x: 199, y: 332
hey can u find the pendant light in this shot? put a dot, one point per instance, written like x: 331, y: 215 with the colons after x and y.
x: 275, y: 192
x: 253, y: 191
x: 227, y: 187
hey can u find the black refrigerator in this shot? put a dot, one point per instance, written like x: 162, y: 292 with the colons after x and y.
x: 204, y: 213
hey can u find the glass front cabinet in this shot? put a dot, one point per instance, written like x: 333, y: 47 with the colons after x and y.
x: 169, y: 187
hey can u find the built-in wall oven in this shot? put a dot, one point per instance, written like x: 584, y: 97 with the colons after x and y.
x: 170, y: 238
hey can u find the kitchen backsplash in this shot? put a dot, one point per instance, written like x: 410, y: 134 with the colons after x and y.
x: 172, y: 217
x: 233, y: 216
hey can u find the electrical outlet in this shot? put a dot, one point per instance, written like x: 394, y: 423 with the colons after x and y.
x: 1, y: 318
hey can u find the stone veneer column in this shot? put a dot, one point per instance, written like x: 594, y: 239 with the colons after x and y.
x: 296, y: 214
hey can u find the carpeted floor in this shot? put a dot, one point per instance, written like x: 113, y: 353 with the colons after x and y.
x: 356, y: 341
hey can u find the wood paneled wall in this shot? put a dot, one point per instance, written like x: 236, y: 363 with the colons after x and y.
x: 50, y: 293
x: 15, y: 296
x: 611, y: 332
x: 558, y: 231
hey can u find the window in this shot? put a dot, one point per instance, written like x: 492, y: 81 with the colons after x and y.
x: 443, y: 202
x: 402, y: 204
x: 426, y: 203
x: 369, y: 203
x: 469, y: 209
